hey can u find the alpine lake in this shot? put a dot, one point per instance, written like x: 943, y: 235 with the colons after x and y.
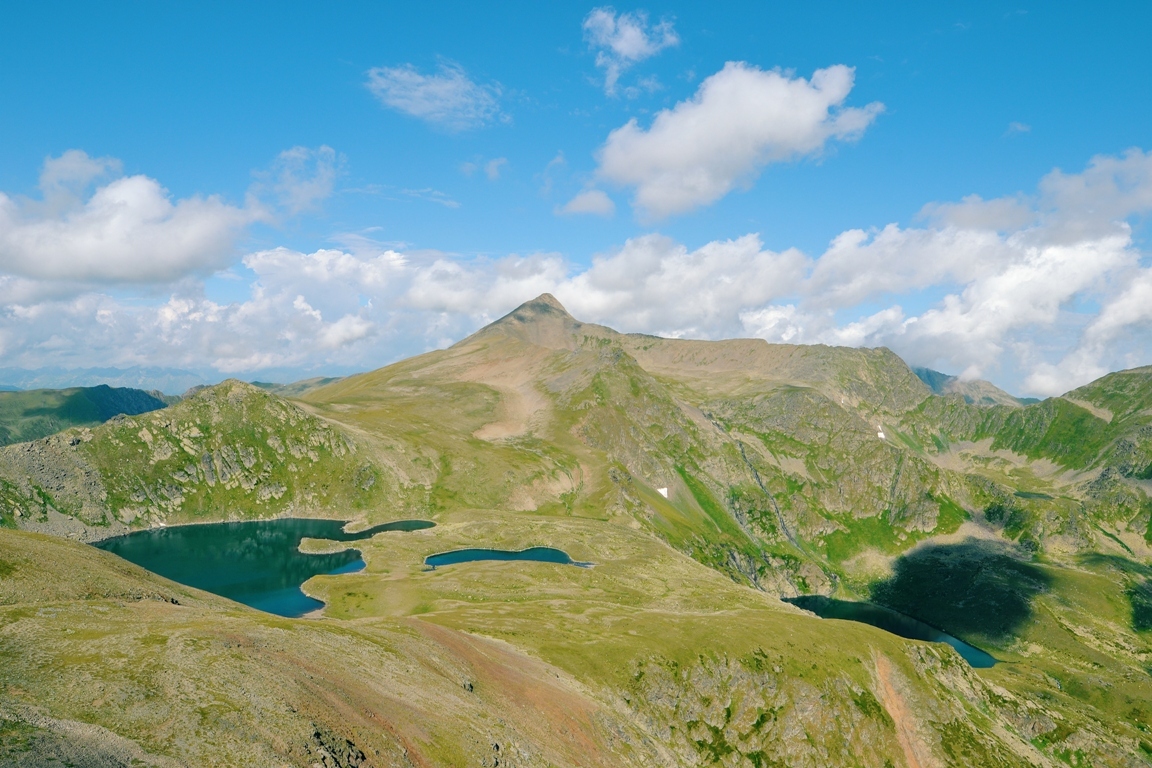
x: 256, y: 563
x: 890, y: 621
x: 259, y: 564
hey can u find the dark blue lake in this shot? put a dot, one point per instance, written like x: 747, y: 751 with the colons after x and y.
x: 256, y: 563
x: 539, y: 554
x: 890, y: 621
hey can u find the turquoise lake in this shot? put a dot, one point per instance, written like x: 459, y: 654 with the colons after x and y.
x: 890, y: 621
x: 256, y: 563
x: 538, y: 554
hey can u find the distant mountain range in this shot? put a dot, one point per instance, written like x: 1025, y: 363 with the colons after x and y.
x: 974, y: 392
x: 704, y: 480
x: 171, y: 381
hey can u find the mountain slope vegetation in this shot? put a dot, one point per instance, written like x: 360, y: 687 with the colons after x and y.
x: 704, y: 480
x: 32, y: 414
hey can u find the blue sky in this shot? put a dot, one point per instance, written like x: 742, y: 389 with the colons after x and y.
x: 352, y: 183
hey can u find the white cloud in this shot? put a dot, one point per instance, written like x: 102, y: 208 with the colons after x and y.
x: 741, y: 119
x: 546, y: 177
x: 492, y: 168
x: 778, y: 323
x: 1003, y: 214
x: 1131, y: 308
x: 129, y: 230
x: 656, y: 285
x: 1016, y: 127
x: 621, y: 40
x: 974, y: 328
x: 1090, y: 203
x: 1043, y: 292
x: 860, y: 265
x: 64, y: 179
x: 302, y: 177
x: 1125, y: 317
x: 448, y: 99
x: 332, y: 307
x: 591, y: 201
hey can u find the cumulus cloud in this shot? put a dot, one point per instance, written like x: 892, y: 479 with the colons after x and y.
x: 492, y: 168
x: 621, y: 40
x: 976, y: 326
x: 1090, y: 203
x: 64, y: 179
x: 592, y: 201
x: 1048, y: 290
x: 448, y: 99
x: 128, y: 230
x: 363, y: 309
x: 656, y: 285
x: 741, y: 119
x: 1040, y: 292
x: 1005, y: 214
x: 863, y: 265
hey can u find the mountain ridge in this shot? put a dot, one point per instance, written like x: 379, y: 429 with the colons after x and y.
x: 704, y: 480
x: 31, y: 414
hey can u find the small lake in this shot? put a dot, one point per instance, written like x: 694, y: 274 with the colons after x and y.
x: 257, y: 563
x: 890, y: 621
x: 538, y: 554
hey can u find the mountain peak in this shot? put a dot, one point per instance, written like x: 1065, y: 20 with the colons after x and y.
x: 975, y: 392
x: 543, y: 321
x: 545, y: 302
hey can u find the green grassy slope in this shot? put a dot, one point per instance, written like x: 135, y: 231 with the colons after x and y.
x: 703, y: 479
x: 647, y: 659
x: 33, y: 414
x: 228, y: 452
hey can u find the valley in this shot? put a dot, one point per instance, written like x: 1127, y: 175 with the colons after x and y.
x: 702, y: 480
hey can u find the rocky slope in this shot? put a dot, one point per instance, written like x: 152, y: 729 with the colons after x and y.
x: 704, y: 479
x: 231, y: 451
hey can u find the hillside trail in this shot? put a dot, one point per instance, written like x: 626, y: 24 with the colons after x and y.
x: 916, y: 752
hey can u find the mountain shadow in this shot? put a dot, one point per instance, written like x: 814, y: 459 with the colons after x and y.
x: 976, y: 589
x: 1140, y: 597
x: 1138, y: 590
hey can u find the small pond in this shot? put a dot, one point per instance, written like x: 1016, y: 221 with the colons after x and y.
x: 539, y: 554
x: 256, y: 563
x: 890, y: 621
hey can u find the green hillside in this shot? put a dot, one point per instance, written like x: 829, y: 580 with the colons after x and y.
x: 231, y: 451
x: 704, y: 480
x: 33, y: 414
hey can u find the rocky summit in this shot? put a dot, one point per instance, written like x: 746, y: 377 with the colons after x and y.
x: 702, y: 481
